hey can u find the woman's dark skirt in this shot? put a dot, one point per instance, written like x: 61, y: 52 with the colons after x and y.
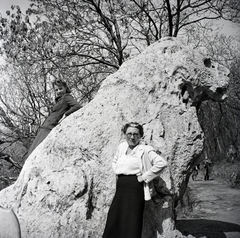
x: 125, y: 216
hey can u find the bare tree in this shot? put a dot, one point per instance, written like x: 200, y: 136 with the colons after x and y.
x: 98, y: 36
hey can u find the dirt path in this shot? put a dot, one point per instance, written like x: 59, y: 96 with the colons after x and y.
x: 216, y: 210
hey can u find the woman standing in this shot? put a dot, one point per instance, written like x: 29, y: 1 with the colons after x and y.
x: 65, y: 104
x: 135, y: 165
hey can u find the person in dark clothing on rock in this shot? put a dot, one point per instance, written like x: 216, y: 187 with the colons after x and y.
x: 65, y: 104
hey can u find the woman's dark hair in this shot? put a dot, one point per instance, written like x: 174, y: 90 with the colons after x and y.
x: 135, y: 125
x: 61, y: 83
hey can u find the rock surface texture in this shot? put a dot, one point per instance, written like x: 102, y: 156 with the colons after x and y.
x: 67, y: 184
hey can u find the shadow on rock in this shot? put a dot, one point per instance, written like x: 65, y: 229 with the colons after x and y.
x: 209, y: 228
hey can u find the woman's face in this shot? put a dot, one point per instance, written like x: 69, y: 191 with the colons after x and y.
x: 132, y: 136
x: 59, y: 90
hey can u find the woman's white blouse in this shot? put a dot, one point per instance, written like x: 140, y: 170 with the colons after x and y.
x: 150, y: 164
x: 128, y: 165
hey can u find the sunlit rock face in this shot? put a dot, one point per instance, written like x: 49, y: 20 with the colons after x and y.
x: 66, y: 186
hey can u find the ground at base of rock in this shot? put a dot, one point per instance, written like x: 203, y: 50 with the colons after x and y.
x: 215, y: 210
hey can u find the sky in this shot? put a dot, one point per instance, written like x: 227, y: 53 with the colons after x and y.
x: 228, y: 27
x: 6, y: 5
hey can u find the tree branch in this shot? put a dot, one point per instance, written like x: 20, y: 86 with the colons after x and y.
x: 10, y: 160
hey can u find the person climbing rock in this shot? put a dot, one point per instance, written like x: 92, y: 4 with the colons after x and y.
x: 65, y: 104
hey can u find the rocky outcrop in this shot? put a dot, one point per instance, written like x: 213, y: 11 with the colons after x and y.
x: 67, y: 184
x: 220, y: 123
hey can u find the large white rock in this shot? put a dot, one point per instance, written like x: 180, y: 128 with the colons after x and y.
x: 67, y: 184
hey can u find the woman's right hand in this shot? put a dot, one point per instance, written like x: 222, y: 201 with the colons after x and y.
x: 140, y: 178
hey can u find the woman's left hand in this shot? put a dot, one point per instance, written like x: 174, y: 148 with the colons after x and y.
x: 140, y: 178
x: 64, y: 116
